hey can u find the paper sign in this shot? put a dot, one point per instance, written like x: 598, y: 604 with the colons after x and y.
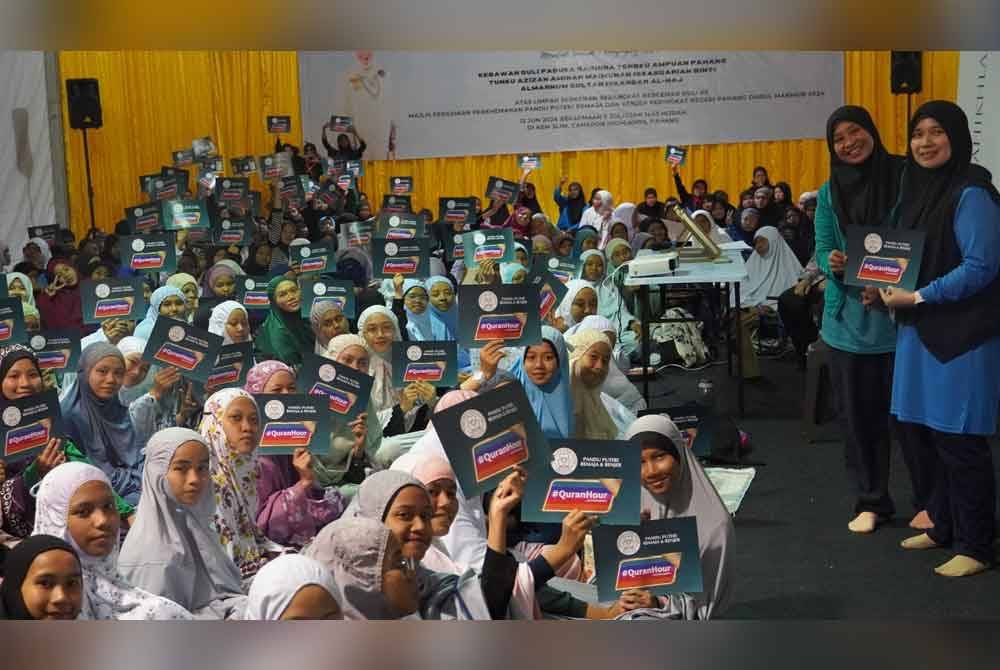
x: 409, y: 258
x: 357, y: 234
x: 184, y: 214
x: 183, y: 157
x: 502, y: 189
x: 57, y: 350
x: 551, y: 290
x: 202, y: 147
x: 228, y: 230
x: 698, y: 430
x: 594, y: 476
x: 144, y: 218
x: 341, y: 124
x: 399, y: 226
x: 346, y: 390
x: 401, y: 185
x: 279, y: 124
x: 181, y: 177
x: 332, y: 168
x: 345, y: 182
x: 675, y: 156
x: 152, y: 252
x: 291, y: 190
x: 47, y: 233
x: 243, y: 166
x: 484, y: 437
x: 146, y: 179
x: 231, y: 367
x: 356, y: 168
x: 495, y: 244
x: 561, y: 267
x: 397, y: 203
x: 275, y: 165
x: 529, y: 161
x: 454, y: 245
x: 433, y: 362
x: 883, y: 257
x: 27, y: 425
x: 212, y: 163
x: 661, y: 557
x: 457, y: 211
x: 291, y: 422
x: 12, y: 330
x: 323, y: 289
x: 112, y: 299
x: 178, y: 344
x: 252, y: 293
x: 313, y: 258
x: 162, y: 187
x: 229, y: 190
x: 505, y: 312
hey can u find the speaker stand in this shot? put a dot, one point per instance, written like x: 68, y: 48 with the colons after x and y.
x: 90, y: 184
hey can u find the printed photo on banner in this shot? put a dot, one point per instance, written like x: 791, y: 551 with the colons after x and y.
x: 27, y: 425
x: 151, y: 252
x: 290, y: 422
x: 495, y: 245
x: 502, y: 189
x: 177, y: 344
x: 144, y: 218
x: 410, y: 258
x: 401, y: 185
x: 399, y: 226
x: 184, y: 214
x: 346, y: 391
x: 508, y: 313
x: 563, y: 269
x: 676, y: 156
x: 397, y: 203
x: 105, y: 299
x: 12, y: 330
x: 279, y: 124
x: 231, y: 367
x: 529, y: 162
x: 598, y: 477
x: 337, y: 292
x: 56, y: 349
x: 883, y: 257
x: 657, y: 556
x: 183, y: 157
x: 229, y: 230
x: 252, y: 293
x: 484, y: 437
x: 435, y: 363
x: 314, y: 258
x: 551, y: 289
x: 181, y: 177
x: 243, y: 166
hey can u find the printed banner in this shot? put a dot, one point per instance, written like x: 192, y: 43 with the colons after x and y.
x: 347, y: 392
x: 203, y: 147
x: 336, y: 291
x: 180, y: 345
x: 502, y: 189
x: 979, y: 96
x: 454, y: 245
x: 439, y: 103
x: 506, y: 312
x: 279, y: 124
x: 144, y: 218
x: 883, y: 257
x: 291, y: 191
x: 112, y: 299
x: 529, y: 162
x: 675, y: 156
x: 27, y: 425
x: 231, y: 367
x: 12, y: 330
x: 161, y: 187
x: 409, y: 258
x: 57, y: 350
x: 594, y: 476
x: 399, y: 226
x: 495, y: 245
x: 357, y: 234
x: 184, y: 214
x: 341, y: 124
x: 181, y: 177
x: 231, y: 190
x: 356, y: 168
x: 486, y: 436
x: 149, y: 253
x: 433, y: 362
x: 657, y: 556
x: 274, y: 166
x: 291, y: 422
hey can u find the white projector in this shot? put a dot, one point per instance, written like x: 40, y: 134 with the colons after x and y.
x: 651, y: 265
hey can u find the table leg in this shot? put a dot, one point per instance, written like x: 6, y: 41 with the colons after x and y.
x: 739, y: 352
x: 644, y: 327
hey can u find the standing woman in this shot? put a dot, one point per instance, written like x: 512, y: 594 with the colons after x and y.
x: 949, y: 337
x: 571, y: 205
x: 863, y: 187
x: 285, y: 335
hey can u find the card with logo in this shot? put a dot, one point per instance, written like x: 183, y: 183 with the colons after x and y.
x: 409, y: 258
x: 505, y: 312
x: 562, y: 268
x: 488, y: 245
x: 486, y: 436
x: 182, y: 157
x: 594, y: 476
x: 503, y: 189
x: 397, y: 203
x: 433, y: 362
x: 47, y: 233
x: 252, y: 292
x: 152, y: 252
x: 212, y: 163
x: 144, y: 218
x: 163, y: 187
x: 291, y: 422
x: 675, y: 155
x: 457, y: 211
x: 56, y: 349
x: 698, y: 430
x: 341, y: 124
x: 529, y: 161
x: 112, y: 299
x: 401, y: 185
x: 275, y: 165
x: 454, y: 245
x: 12, y: 330
x: 357, y: 234
x: 658, y: 556
x: 883, y: 257
x: 291, y: 190
x: 231, y: 190
x: 550, y: 290
x: 182, y: 177
x: 313, y: 258
x: 332, y: 168
x: 180, y: 345
x: 145, y: 180
x: 346, y: 181
x: 346, y: 390
x: 184, y: 214
x: 27, y: 425
x: 279, y: 124
x: 229, y: 230
x: 243, y: 166
x: 231, y: 367
x: 399, y: 226
x: 356, y: 168
x: 323, y: 289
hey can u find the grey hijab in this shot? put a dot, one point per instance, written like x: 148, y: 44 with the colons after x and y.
x: 692, y: 494
x: 172, y: 550
x: 353, y: 549
x: 377, y: 492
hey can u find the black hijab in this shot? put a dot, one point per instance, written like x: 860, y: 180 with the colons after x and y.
x: 16, y: 564
x: 575, y: 206
x: 929, y: 203
x: 862, y: 195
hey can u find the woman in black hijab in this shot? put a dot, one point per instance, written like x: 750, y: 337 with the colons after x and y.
x: 945, y: 391
x: 863, y: 186
x: 42, y: 579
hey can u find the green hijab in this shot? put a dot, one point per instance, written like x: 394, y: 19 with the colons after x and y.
x: 284, y: 335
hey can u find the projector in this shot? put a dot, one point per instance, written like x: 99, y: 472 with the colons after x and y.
x: 651, y: 265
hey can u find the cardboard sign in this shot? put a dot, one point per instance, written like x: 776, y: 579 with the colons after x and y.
x: 178, y: 344
x: 162, y: 187
x: 486, y: 436
x: 562, y: 268
x: 57, y: 350
x: 144, y: 218
x: 243, y: 166
x: 291, y: 190
x: 252, y: 293
x: 231, y: 367
x: 145, y: 180
x: 883, y: 257
x: 112, y: 299
x: 291, y: 422
x: 329, y: 193
x: 698, y: 430
x: 333, y: 168
x: 551, y: 290
x: 338, y: 292
x: 409, y: 258
x: 433, y: 362
x: 341, y: 124
x: 356, y: 168
x: 346, y: 390
x: 212, y: 163
x: 346, y: 182
x: 152, y: 252
x: 27, y: 425
x: 529, y: 162
x: 275, y: 165
x: 401, y: 185
x: 202, y: 147
x: 184, y: 214
x: 594, y: 476
x: 313, y: 258
x: 675, y: 156
x: 230, y: 190
x: 399, y: 226
x: 506, y: 312
x: 279, y: 124
x: 182, y: 178
x: 182, y: 157
x: 454, y: 245
x: 455, y: 211
x: 47, y: 233
x: 502, y: 189
x: 357, y: 234
x: 658, y: 556
x: 495, y: 244
x: 12, y: 330
x: 228, y: 230
x: 397, y: 203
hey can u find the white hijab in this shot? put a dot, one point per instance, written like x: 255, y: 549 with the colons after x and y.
x: 773, y: 273
x: 277, y: 583
x: 384, y: 396
x: 220, y: 315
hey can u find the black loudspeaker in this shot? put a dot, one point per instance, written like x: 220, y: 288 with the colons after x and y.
x: 907, y: 72
x: 84, y: 99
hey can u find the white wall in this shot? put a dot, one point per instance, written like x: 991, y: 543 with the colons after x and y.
x: 979, y: 96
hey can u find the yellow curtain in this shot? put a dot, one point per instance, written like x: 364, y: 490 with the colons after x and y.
x: 156, y: 102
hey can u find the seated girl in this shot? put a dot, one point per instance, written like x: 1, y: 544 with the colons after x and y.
x: 150, y: 394
x: 165, y: 301
x: 293, y: 588
x: 220, y: 280
x: 284, y: 335
x: 579, y: 302
x: 230, y: 320
x: 43, y: 581
x: 327, y: 321
x: 188, y: 286
x: 616, y: 385
x: 597, y: 416
x: 415, y: 317
x: 586, y: 239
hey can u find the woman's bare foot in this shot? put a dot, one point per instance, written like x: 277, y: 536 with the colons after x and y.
x: 922, y: 521
x: 863, y: 523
